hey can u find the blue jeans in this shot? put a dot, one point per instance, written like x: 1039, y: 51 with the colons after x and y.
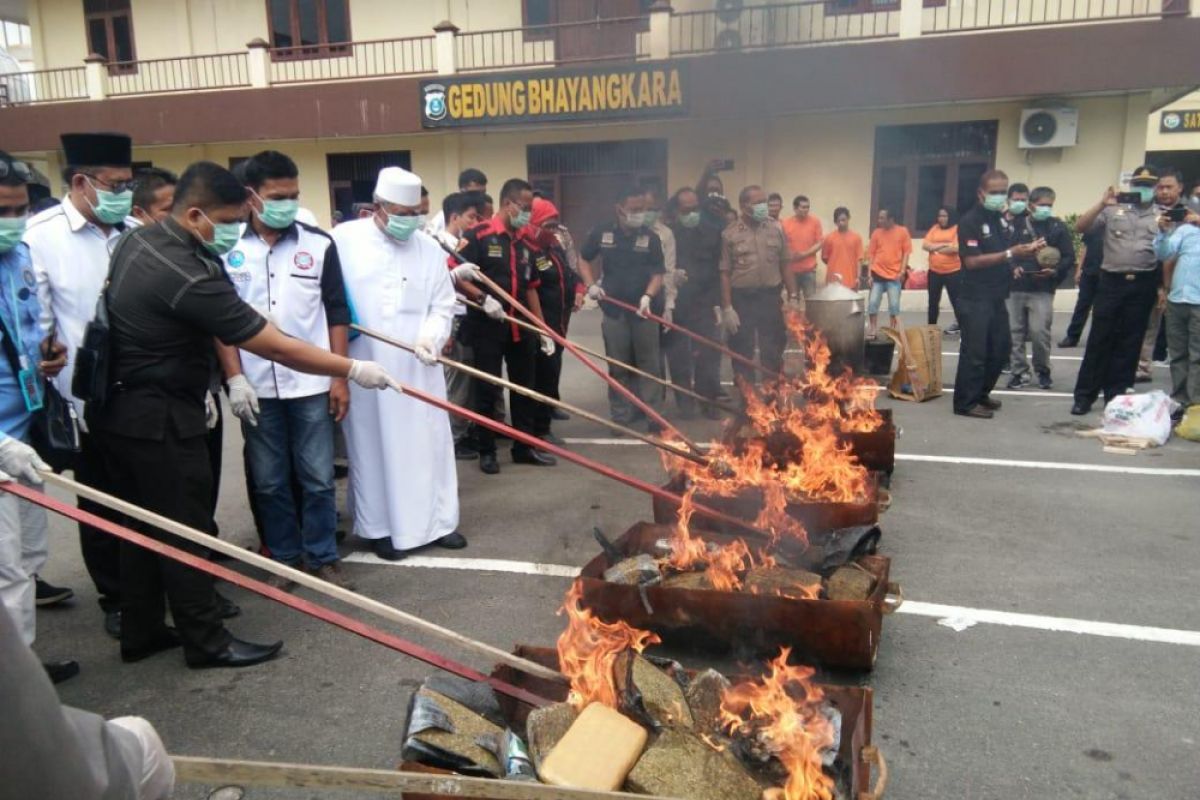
x: 878, y: 287
x: 298, y: 432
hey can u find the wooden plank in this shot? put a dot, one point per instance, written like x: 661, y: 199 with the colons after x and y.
x: 1120, y: 451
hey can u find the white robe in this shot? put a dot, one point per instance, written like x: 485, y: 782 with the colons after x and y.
x: 403, y: 481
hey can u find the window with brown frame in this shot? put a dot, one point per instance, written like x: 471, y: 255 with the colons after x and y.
x: 921, y: 168
x: 109, y: 25
x: 535, y: 13
x: 308, y: 28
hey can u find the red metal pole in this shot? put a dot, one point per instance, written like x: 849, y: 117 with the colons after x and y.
x: 697, y: 337
x: 304, y: 606
x: 574, y: 457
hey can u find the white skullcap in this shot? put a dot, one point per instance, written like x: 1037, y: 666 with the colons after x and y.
x: 397, y: 185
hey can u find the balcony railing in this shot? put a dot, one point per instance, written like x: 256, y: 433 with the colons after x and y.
x: 661, y: 34
x: 778, y: 25
x: 612, y: 39
x: 413, y: 55
x: 183, y: 74
x: 43, y: 86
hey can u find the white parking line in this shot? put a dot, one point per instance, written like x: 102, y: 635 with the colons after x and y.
x: 916, y: 608
x: 1031, y: 393
x: 969, y: 460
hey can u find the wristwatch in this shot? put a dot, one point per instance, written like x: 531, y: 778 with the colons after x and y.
x: 1008, y: 254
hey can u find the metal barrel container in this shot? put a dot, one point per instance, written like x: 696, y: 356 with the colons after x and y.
x: 840, y: 321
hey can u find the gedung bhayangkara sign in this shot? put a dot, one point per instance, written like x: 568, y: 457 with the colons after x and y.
x: 596, y: 93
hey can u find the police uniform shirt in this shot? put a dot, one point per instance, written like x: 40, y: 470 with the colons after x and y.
x: 698, y: 252
x: 629, y: 261
x: 981, y: 232
x: 1129, y: 233
x: 754, y: 255
x: 70, y: 261
x: 556, y: 284
x: 21, y: 336
x: 297, y: 284
x: 167, y: 300
x: 506, y: 261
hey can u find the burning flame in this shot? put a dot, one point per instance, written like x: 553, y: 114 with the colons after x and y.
x: 688, y: 553
x: 589, y: 646
x: 781, y: 713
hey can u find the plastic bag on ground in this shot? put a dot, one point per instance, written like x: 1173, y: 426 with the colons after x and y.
x: 1140, y: 416
x: 1189, y: 427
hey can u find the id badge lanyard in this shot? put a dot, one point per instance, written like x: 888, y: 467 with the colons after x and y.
x: 27, y: 377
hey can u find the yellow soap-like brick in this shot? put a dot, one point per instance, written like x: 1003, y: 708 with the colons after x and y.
x: 597, y: 751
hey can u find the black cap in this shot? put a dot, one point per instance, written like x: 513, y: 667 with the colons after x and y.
x: 97, y: 149
x: 1145, y: 175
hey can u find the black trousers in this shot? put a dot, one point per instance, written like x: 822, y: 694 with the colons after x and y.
x: 546, y: 374
x: 1088, y: 281
x: 489, y: 355
x: 214, y: 443
x: 983, y: 349
x: 172, y: 478
x: 693, y: 365
x: 101, y: 551
x: 937, y: 282
x: 761, y: 314
x: 1120, y: 316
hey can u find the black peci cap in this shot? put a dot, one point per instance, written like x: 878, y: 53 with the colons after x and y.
x: 97, y: 149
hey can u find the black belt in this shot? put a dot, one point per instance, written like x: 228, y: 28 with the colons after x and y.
x: 1131, y: 276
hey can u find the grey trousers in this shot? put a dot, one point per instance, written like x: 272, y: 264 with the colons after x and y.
x: 1146, y: 359
x: 1030, y: 315
x: 458, y: 388
x: 23, y: 550
x: 1183, y: 345
x: 633, y: 340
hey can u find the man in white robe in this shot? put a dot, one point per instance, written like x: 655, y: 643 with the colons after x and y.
x: 403, y: 484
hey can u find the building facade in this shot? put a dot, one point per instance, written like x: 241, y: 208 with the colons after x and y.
x: 861, y: 103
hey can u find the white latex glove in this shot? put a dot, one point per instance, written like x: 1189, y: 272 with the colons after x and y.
x: 730, y: 321
x: 644, y: 306
x: 243, y: 400
x: 369, y: 375
x: 493, y: 308
x: 595, y: 292
x: 20, y: 460
x: 425, y: 353
x: 547, y: 345
x: 212, y: 414
x: 157, y: 780
x: 465, y: 272
x: 717, y: 315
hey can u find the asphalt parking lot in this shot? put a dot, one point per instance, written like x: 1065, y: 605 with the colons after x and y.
x: 1014, y: 515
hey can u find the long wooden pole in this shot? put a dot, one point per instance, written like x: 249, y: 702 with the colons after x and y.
x: 618, y: 363
x: 191, y: 769
x: 300, y: 577
x: 541, y: 398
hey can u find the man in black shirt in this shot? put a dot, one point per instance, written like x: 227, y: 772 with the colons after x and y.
x: 985, y: 241
x: 630, y: 258
x: 697, y: 259
x: 1087, y: 278
x: 167, y: 299
x: 496, y: 248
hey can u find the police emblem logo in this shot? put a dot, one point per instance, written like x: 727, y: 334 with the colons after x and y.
x: 607, y: 239
x: 303, y: 260
x: 435, y: 102
x: 29, y: 278
x: 543, y: 264
x: 237, y: 258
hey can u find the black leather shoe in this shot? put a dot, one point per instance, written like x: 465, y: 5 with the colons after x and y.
x: 560, y: 415
x: 226, y: 608
x: 167, y: 639
x: 47, y: 594
x: 112, y: 624
x: 991, y: 405
x: 452, y: 541
x: 488, y: 464
x: 534, y: 458
x: 1081, y: 407
x: 977, y: 412
x: 60, y: 671
x: 385, y: 550
x: 238, y: 654
x: 1067, y: 341
x: 552, y: 438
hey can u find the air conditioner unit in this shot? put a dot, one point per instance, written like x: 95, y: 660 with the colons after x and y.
x: 1048, y: 127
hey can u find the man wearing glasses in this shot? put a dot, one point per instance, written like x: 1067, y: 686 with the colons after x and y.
x: 69, y: 245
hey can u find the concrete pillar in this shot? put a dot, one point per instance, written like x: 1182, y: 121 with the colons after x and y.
x: 1195, y: 8
x: 1133, y: 144
x: 443, y: 47
x: 660, y: 30
x: 258, y: 63
x: 95, y: 74
x: 911, y: 13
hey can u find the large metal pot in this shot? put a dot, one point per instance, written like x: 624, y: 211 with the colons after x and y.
x: 840, y: 319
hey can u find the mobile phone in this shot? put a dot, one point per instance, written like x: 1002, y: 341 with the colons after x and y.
x: 725, y: 166
x: 1129, y: 198
x: 1177, y: 214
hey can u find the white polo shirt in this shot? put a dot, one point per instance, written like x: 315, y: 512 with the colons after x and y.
x: 70, y: 261
x: 297, y: 285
